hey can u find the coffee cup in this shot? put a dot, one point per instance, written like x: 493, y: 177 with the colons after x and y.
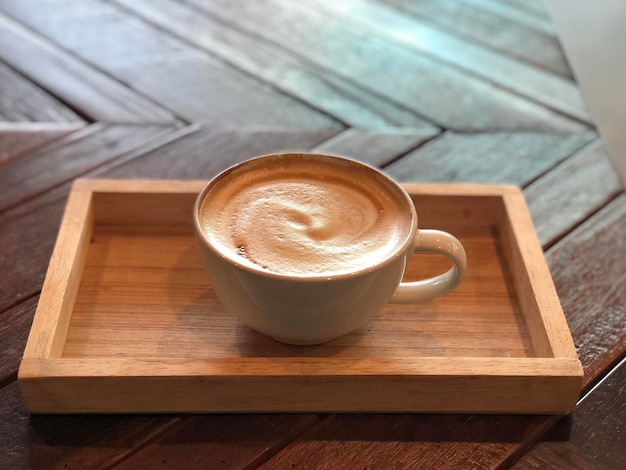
x: 308, y: 247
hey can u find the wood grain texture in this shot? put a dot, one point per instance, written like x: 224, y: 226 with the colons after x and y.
x: 92, y: 385
x: 69, y: 441
x: 407, y: 441
x: 90, y: 92
x: 18, y: 139
x: 14, y: 327
x: 104, y: 441
x: 592, y: 437
x: 491, y: 31
x: 326, y: 91
x: 192, y: 83
x: 27, y: 235
x: 59, y: 290
x: 589, y: 275
x: 40, y: 171
x: 516, y: 12
x: 572, y: 192
x: 512, y: 158
x: 534, y: 287
x: 535, y: 7
x: 387, y: 68
x: 376, y: 147
x: 537, y: 85
x: 257, y: 438
x: 21, y: 100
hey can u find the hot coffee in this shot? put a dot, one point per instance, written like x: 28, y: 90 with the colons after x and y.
x: 305, y: 217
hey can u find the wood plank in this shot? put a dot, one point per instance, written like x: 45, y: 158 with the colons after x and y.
x: 210, y: 151
x: 38, y: 172
x: 188, y: 81
x: 512, y: 12
x: 326, y: 91
x: 64, y: 269
x: 21, y: 100
x: 14, y: 327
x: 535, y: 84
x: 572, y: 192
x: 375, y: 147
x: 27, y: 235
x: 59, y: 21
x: 18, y: 139
x: 513, y: 158
x: 69, y: 441
x: 252, y: 439
x: 398, y: 73
x: 402, y: 441
x: 90, y: 92
x: 595, y: 305
x: 592, y: 437
x: 103, y: 441
x: 67, y: 139
x: 536, y: 7
x: 492, y: 31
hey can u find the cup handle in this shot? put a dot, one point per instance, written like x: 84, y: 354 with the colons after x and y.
x: 434, y: 241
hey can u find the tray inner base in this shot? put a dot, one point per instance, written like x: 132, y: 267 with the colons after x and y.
x: 143, y: 294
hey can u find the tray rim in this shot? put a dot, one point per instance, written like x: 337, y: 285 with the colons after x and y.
x: 558, y: 365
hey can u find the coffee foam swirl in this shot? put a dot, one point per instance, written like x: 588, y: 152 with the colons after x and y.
x: 293, y: 222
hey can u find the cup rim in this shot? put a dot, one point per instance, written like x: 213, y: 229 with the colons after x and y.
x: 400, y: 250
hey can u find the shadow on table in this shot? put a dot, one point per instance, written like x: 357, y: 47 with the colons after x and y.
x: 86, y: 441
x: 437, y: 428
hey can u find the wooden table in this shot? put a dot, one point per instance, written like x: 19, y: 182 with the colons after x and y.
x: 461, y: 90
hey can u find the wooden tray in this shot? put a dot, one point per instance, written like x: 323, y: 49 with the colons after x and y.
x: 127, y: 321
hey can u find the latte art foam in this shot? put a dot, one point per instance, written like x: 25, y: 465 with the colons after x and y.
x: 304, y: 218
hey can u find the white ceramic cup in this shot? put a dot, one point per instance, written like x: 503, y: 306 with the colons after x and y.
x: 311, y: 309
